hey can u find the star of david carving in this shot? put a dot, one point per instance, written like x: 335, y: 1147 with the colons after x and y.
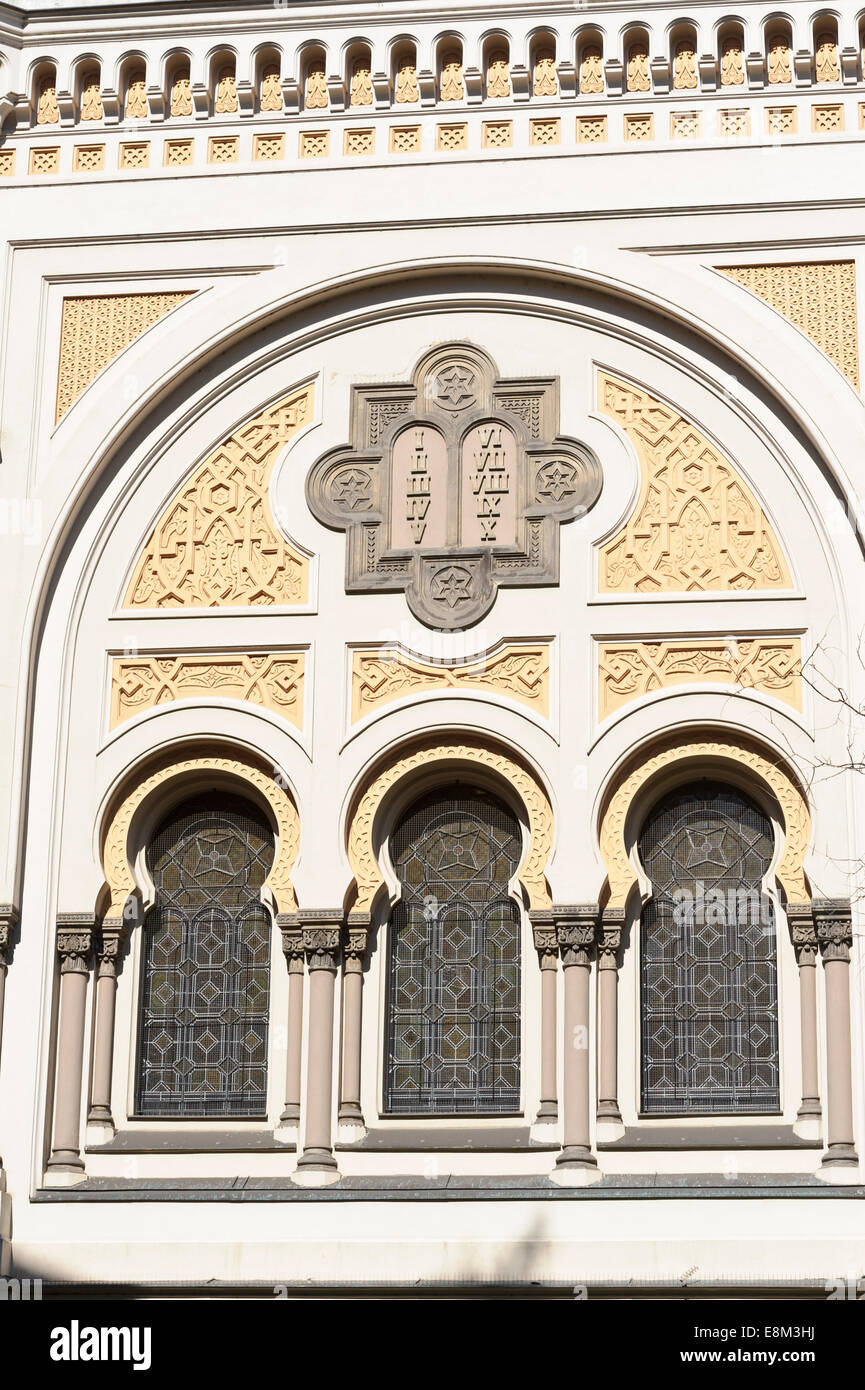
x: 454, y: 484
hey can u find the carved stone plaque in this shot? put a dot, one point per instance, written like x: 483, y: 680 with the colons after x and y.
x: 454, y: 483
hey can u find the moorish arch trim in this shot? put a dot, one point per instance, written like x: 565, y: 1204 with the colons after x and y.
x: 716, y: 752
x: 473, y: 753
x: 153, y: 784
x: 697, y: 526
x: 217, y: 543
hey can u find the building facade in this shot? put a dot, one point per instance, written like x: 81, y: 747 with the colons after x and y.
x: 432, y: 691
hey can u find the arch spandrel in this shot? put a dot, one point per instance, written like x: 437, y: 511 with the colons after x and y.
x: 719, y: 753
x: 697, y: 526
x: 217, y: 543
x: 473, y: 753
x: 156, y: 784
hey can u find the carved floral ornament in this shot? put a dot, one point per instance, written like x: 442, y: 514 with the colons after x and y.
x: 155, y: 785
x: 738, y: 757
x: 217, y: 543
x: 454, y: 483
x: 472, y: 753
x: 697, y: 526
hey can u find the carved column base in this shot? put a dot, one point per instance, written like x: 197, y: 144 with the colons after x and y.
x: 288, y: 1129
x: 316, y: 1168
x: 100, y: 1127
x: 840, y: 1165
x: 809, y: 1119
x: 351, y: 1127
x: 64, y: 1169
x: 576, y: 1167
x: 610, y: 1125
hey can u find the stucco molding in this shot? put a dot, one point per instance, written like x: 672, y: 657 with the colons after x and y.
x: 471, y: 753
x: 153, y: 785
x: 719, y: 751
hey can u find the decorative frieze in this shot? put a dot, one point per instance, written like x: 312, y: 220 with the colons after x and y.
x: 217, y: 543
x: 697, y: 526
x: 383, y: 674
x: 95, y: 329
x: 627, y: 670
x: 817, y: 296
x: 274, y: 681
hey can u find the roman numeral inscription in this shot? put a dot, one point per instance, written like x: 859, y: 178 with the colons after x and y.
x: 488, y: 512
x: 419, y: 489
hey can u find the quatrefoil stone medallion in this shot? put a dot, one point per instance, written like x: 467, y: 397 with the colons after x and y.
x: 454, y: 484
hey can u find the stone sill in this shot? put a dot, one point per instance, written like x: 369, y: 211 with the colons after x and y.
x: 463, y: 1140
x: 460, y: 1188
x: 133, y: 1141
x: 660, y: 1138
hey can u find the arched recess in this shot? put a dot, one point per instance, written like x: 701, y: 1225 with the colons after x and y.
x: 150, y: 791
x: 478, y: 757
x: 675, y: 759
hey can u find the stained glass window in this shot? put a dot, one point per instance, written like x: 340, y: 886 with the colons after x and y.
x: 453, y: 1038
x: 708, y: 956
x: 206, y: 964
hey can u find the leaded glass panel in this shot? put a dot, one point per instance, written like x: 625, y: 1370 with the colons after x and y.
x: 206, y: 964
x: 453, y: 1037
x: 708, y: 957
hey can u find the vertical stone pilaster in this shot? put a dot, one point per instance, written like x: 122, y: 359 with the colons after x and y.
x: 834, y: 926
x: 288, y: 1129
x: 575, y: 931
x: 108, y: 943
x: 8, y: 922
x: 355, y: 943
x: 322, y: 930
x: 609, y: 944
x: 547, y: 947
x: 800, y: 919
x: 74, y: 943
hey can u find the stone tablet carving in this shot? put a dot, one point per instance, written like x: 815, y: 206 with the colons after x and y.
x: 454, y: 483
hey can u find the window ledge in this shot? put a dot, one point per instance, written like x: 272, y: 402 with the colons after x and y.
x: 504, y: 1139
x: 727, y: 1136
x: 133, y: 1141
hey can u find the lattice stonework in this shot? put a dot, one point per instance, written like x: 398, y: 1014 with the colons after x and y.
x: 206, y: 964
x: 627, y: 670
x: 453, y: 1044
x: 696, y: 526
x: 818, y: 296
x: 275, y: 682
x: 217, y: 544
x: 383, y: 675
x: 96, y: 328
x: 709, y: 986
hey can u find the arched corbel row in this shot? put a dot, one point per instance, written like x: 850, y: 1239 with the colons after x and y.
x: 473, y: 752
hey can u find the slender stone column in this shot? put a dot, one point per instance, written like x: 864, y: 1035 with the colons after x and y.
x: 835, y: 934
x: 575, y: 929
x: 292, y: 948
x: 609, y: 943
x: 317, y: 1165
x: 74, y: 943
x: 801, y: 923
x: 351, y: 1121
x: 547, y: 947
x: 100, y: 1123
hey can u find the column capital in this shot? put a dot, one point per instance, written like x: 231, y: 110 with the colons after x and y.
x: 74, y: 941
x: 834, y: 926
x: 109, y: 941
x: 321, y: 930
x: 546, y: 942
x: 803, y: 932
x: 356, y: 940
x: 292, y: 941
x: 576, y: 930
x: 610, y: 937
x: 8, y: 923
